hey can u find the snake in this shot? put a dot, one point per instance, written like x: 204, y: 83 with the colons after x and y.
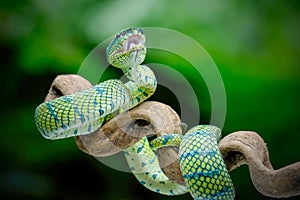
x: 84, y: 112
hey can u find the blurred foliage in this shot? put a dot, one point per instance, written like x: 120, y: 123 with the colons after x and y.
x: 255, y: 45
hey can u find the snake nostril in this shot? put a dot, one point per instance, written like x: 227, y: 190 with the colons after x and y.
x: 141, y: 122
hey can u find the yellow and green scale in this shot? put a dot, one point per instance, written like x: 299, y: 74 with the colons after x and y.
x: 201, y: 162
x: 82, y: 112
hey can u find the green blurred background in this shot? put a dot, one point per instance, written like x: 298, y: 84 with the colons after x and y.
x: 254, y: 44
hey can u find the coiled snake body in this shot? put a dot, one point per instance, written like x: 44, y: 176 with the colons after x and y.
x: 84, y: 112
x: 201, y: 162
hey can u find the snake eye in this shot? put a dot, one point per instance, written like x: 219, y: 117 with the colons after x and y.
x: 123, y: 33
x: 118, y: 35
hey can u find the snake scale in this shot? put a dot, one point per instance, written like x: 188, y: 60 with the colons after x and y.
x: 84, y: 112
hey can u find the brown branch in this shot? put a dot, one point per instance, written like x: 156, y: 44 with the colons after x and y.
x: 242, y: 147
x: 65, y: 85
x: 246, y: 147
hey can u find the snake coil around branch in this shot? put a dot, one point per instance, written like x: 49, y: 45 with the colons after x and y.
x: 241, y: 147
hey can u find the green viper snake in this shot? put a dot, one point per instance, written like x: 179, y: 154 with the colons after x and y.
x: 84, y: 112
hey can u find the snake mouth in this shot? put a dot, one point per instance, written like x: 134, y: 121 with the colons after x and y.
x: 133, y: 42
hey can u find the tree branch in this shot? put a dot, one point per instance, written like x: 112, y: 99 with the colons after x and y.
x: 242, y: 147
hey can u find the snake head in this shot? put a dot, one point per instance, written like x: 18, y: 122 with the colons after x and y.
x: 127, y: 49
